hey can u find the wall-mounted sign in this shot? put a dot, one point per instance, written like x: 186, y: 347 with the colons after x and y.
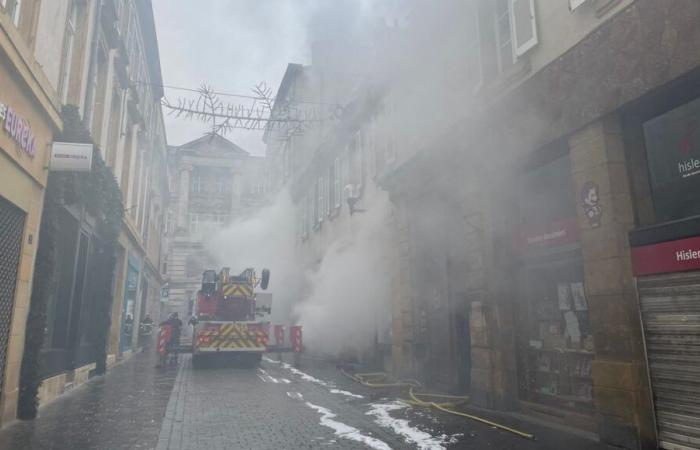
x: 666, y: 257
x: 18, y: 129
x: 556, y: 233
x: 672, y: 142
x: 67, y: 156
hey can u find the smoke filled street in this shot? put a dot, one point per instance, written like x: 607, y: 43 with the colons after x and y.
x: 361, y: 224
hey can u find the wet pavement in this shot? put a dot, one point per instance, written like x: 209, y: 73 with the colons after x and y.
x: 275, y: 406
x: 123, y: 410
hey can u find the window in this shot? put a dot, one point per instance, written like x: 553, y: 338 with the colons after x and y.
x: 310, y: 202
x: 220, y: 185
x: 504, y: 44
x: 337, y: 186
x: 523, y: 26
x: 473, y: 50
x: 304, y: 218
x: 331, y: 189
x: 320, y: 201
x: 68, y: 46
x: 196, y: 183
x: 12, y: 8
x: 194, y: 223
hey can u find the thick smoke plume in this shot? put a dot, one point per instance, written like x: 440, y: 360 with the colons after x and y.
x: 346, y: 307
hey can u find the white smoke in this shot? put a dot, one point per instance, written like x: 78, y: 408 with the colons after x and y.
x: 347, y: 304
x: 264, y: 240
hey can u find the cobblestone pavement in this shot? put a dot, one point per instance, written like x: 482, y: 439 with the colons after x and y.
x: 122, y: 410
x: 275, y: 406
x: 280, y: 406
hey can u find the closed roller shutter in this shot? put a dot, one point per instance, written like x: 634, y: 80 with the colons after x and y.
x: 11, y: 229
x: 670, y: 307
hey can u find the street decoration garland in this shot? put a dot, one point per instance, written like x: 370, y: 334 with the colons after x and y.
x: 98, y: 192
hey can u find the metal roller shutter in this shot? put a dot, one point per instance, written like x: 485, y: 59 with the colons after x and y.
x: 670, y: 306
x: 11, y: 229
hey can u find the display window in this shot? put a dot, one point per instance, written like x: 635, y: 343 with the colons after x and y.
x: 554, y: 342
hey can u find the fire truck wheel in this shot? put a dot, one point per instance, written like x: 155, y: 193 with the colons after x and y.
x: 265, y: 278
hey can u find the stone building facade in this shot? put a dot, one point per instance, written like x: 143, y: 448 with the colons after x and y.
x: 566, y: 207
x: 214, y: 182
x: 543, y: 208
x: 100, y: 57
x: 29, y: 107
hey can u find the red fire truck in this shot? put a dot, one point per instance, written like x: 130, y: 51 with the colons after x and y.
x: 229, y: 324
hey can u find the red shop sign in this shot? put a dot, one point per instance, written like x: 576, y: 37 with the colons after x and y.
x: 553, y: 234
x: 674, y: 256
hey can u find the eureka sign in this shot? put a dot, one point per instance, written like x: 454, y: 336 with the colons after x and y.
x: 18, y: 129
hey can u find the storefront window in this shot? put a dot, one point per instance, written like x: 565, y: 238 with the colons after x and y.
x: 555, y: 348
x: 673, y: 152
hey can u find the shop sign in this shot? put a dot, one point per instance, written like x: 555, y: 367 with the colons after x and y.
x: 666, y: 257
x: 67, y: 156
x: 555, y: 233
x: 18, y: 129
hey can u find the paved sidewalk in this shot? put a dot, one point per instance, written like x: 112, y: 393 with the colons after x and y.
x: 122, y: 410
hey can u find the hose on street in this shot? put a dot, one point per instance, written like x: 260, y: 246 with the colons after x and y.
x: 379, y: 380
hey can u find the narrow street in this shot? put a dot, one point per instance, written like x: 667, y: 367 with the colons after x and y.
x: 275, y: 406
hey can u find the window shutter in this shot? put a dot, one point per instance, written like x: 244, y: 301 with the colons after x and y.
x: 574, y: 4
x: 523, y: 26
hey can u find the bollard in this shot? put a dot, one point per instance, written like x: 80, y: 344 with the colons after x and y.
x: 279, y: 335
x: 164, y: 338
x: 295, y: 338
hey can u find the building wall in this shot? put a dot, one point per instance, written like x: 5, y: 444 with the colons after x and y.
x: 214, y: 182
x: 23, y: 179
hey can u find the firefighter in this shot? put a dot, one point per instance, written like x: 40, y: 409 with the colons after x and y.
x: 175, y: 331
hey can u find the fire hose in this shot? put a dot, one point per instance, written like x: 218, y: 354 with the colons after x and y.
x: 371, y: 380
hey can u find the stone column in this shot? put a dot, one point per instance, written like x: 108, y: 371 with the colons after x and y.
x: 183, y: 198
x: 621, y: 391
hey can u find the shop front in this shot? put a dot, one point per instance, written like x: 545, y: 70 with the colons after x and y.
x: 666, y: 263
x: 28, y: 121
x: 554, y: 346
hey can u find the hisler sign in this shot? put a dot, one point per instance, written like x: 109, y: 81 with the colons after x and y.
x: 19, y: 130
x: 666, y: 257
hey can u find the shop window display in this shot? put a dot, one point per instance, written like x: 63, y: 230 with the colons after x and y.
x: 556, y: 348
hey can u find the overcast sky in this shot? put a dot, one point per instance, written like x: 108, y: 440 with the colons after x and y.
x: 231, y: 45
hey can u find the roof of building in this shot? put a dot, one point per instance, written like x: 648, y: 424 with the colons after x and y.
x: 148, y: 26
x: 213, y: 140
x: 293, y: 70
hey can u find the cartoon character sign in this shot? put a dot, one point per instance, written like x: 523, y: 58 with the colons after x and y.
x: 591, y: 206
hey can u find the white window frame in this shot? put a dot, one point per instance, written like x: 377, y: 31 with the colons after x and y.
x: 310, y: 202
x: 320, y: 199
x: 194, y: 223
x: 337, y: 184
x: 68, y: 49
x: 500, y: 41
x: 12, y: 8
x: 196, y: 183
x: 520, y: 48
